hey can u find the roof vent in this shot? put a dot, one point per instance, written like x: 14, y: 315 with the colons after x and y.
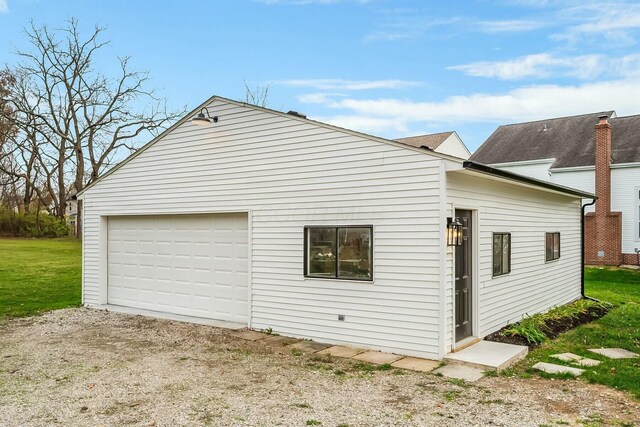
x: 545, y: 128
x: 295, y: 113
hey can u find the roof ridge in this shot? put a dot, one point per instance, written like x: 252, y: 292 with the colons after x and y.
x: 425, y: 134
x: 558, y: 118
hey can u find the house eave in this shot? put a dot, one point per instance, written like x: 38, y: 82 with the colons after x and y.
x: 525, y: 180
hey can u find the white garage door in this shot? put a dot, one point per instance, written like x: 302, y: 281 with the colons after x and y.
x: 193, y: 265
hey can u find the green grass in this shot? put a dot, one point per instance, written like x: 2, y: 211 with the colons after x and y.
x: 38, y: 275
x: 619, y: 328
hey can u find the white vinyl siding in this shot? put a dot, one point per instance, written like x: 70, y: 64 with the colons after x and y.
x: 532, y: 285
x: 624, y: 181
x: 289, y: 173
x: 538, y: 170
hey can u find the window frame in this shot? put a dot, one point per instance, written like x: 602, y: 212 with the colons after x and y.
x: 636, y: 204
x: 553, y: 257
x: 500, y: 233
x: 305, y: 255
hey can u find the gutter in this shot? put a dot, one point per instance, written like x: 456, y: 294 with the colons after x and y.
x: 582, y: 209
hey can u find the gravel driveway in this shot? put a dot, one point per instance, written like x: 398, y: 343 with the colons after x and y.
x: 87, y: 367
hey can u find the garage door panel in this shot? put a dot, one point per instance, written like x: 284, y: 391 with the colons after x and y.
x: 193, y: 265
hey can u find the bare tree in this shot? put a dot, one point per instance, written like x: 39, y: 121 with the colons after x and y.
x: 74, y: 121
x: 258, y: 96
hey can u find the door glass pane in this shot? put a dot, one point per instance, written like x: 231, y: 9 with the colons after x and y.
x: 497, y: 254
x: 354, y: 253
x: 321, y: 252
x: 506, y: 252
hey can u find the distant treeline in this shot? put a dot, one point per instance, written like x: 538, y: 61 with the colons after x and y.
x: 31, y: 224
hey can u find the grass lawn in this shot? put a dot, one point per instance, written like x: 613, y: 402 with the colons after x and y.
x: 38, y: 275
x: 619, y: 328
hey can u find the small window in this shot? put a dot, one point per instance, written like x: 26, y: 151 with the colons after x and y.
x: 501, y: 254
x: 638, y: 210
x: 552, y: 246
x: 339, y: 252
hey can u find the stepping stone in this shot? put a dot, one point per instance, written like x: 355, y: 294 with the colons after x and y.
x: 309, y: 347
x: 588, y: 362
x: 377, y: 357
x: 279, y: 341
x: 567, y: 357
x: 251, y: 335
x: 460, y: 372
x: 415, y: 364
x: 614, y: 353
x: 574, y: 358
x: 342, y: 351
x: 551, y: 368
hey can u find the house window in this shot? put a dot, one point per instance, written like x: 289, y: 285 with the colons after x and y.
x: 552, y: 246
x: 501, y: 254
x: 339, y: 252
x: 638, y: 211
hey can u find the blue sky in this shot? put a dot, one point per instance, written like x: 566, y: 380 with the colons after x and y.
x: 390, y: 68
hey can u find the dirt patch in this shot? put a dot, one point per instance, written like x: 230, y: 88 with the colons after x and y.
x: 91, y: 368
x: 552, y: 328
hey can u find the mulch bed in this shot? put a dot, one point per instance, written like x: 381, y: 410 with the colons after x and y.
x: 552, y: 328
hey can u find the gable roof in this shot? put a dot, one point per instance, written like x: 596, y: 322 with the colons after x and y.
x: 299, y: 117
x: 291, y: 115
x: 432, y: 141
x: 568, y: 140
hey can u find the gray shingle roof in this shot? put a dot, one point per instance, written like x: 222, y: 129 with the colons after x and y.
x: 432, y: 140
x: 570, y: 140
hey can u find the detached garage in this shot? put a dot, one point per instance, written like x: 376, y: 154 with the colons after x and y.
x: 270, y: 220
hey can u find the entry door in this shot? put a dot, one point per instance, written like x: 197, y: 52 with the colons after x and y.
x: 463, y: 269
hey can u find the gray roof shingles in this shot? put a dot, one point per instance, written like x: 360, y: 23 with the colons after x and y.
x: 432, y: 141
x: 569, y: 140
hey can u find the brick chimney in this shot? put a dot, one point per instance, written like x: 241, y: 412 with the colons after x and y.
x: 603, y: 166
x: 603, y: 229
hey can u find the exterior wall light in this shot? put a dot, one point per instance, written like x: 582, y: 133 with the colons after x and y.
x: 203, y: 120
x: 454, y: 232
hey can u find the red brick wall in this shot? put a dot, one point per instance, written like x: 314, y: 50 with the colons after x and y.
x: 603, y: 236
x: 603, y: 229
x: 630, y: 259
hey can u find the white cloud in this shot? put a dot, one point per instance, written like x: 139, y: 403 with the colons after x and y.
x: 4, y: 7
x: 615, y: 21
x: 521, y: 104
x: 348, y: 85
x: 508, y: 26
x: 547, y: 65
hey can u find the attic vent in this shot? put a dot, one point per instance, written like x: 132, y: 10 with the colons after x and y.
x: 295, y: 113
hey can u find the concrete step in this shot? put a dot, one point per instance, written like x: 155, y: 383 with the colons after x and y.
x: 488, y: 355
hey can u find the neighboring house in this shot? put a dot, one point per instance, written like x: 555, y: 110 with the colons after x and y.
x: 70, y: 214
x: 444, y: 142
x: 598, y: 153
x: 271, y: 220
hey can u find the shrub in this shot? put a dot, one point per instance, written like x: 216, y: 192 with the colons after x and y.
x: 13, y: 224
